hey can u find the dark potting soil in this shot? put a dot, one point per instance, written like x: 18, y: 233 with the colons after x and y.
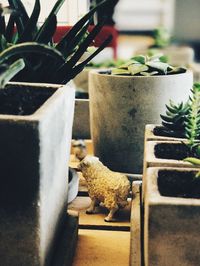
x: 178, y: 184
x: 162, y: 131
x: 174, y: 151
x: 23, y: 100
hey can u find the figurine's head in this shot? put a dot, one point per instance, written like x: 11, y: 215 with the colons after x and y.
x: 87, y: 162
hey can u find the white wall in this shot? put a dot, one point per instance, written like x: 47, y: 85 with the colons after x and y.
x: 144, y: 14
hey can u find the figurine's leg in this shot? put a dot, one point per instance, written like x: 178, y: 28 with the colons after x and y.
x: 109, y: 218
x: 93, y: 204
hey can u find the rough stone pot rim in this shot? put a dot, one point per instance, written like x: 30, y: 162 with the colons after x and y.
x: 40, y: 112
x: 152, y: 160
x: 155, y: 198
x: 97, y: 72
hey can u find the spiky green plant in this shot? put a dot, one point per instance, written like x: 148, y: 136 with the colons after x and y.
x: 70, y: 48
x: 147, y: 66
x: 175, y: 118
x: 192, y: 124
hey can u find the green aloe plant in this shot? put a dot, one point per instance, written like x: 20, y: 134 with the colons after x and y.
x: 22, y: 29
x: 147, y: 66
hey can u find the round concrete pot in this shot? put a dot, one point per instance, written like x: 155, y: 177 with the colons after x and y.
x: 121, y: 106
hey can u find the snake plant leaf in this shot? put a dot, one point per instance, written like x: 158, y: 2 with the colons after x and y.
x: 84, y: 45
x: 2, y: 24
x: 31, y: 25
x: 31, y: 48
x: 137, y: 68
x: 139, y: 58
x: 3, y: 43
x: 167, y: 118
x: 69, y: 36
x: 9, y: 73
x: 120, y: 71
x: 21, y: 17
x: 163, y: 67
x: 10, y: 28
x: 70, y: 48
x: 44, y: 29
x: 46, y: 36
x: 78, y: 68
x: 148, y: 74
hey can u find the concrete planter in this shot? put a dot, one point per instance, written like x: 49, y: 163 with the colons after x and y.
x: 153, y: 132
x: 81, y: 124
x: 121, y: 106
x: 172, y: 217
x: 166, y: 154
x: 34, y: 155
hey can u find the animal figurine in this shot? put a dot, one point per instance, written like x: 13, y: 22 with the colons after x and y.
x: 104, y: 185
x: 79, y: 149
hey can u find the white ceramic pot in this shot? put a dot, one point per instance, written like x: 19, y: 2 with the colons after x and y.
x: 121, y: 106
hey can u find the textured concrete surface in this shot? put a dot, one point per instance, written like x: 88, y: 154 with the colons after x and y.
x: 121, y: 106
x: 81, y: 124
x: 33, y: 192
x: 171, y: 230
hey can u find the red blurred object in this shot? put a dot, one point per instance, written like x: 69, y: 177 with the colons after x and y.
x: 105, y: 32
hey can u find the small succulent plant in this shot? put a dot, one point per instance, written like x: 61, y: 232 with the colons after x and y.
x: 21, y: 37
x: 175, y: 118
x: 147, y: 66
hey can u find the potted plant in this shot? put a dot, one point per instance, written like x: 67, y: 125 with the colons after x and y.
x: 36, y: 133
x: 124, y: 101
x: 174, y: 54
x: 181, y: 123
x: 172, y: 216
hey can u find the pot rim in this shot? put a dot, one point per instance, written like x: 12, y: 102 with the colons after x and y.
x: 97, y: 73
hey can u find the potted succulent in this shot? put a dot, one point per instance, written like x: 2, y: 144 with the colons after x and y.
x: 181, y: 123
x: 124, y: 100
x: 172, y: 216
x: 174, y: 54
x: 36, y: 131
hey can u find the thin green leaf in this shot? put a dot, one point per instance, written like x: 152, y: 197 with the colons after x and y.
x: 11, y: 72
x: 44, y: 28
x: 78, y: 26
x: 31, y: 26
x: 31, y: 48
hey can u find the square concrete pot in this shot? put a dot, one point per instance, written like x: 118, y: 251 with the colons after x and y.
x: 172, y: 217
x: 81, y: 124
x: 36, y: 127
x: 164, y: 154
x: 155, y: 132
x: 121, y: 106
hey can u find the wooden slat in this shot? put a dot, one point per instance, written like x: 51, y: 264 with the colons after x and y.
x: 135, y: 246
x: 96, y: 221
x: 102, y: 248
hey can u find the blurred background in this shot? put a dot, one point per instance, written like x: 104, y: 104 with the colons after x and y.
x: 135, y: 21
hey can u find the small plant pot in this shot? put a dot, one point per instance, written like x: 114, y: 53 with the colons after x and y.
x: 159, y: 133
x: 172, y: 217
x: 121, y: 106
